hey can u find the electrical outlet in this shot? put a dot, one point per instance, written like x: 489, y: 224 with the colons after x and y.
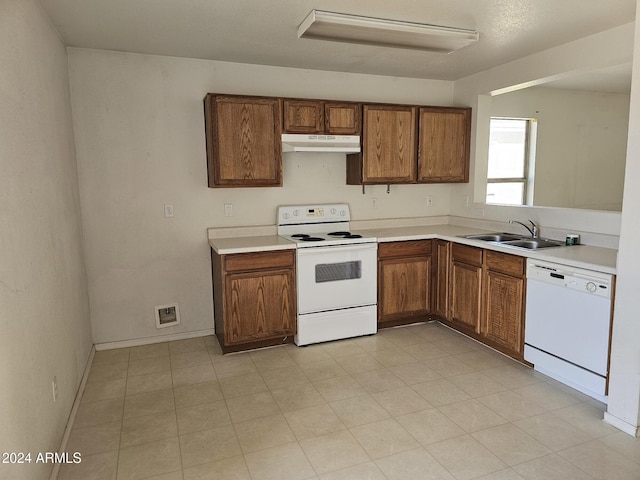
x: 374, y: 203
x: 466, y: 200
x: 168, y: 210
x: 54, y: 388
x: 429, y: 200
x: 479, y: 212
x: 228, y: 209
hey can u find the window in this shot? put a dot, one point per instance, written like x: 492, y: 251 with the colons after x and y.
x: 511, y: 159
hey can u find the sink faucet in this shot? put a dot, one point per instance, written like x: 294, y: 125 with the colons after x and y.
x: 533, y: 229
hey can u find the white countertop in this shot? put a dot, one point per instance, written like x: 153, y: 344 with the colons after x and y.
x: 581, y: 256
x: 225, y: 246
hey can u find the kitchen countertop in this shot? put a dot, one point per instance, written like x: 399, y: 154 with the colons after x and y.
x: 582, y: 256
x: 228, y: 245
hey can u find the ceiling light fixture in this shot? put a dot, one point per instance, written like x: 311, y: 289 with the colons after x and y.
x: 340, y: 27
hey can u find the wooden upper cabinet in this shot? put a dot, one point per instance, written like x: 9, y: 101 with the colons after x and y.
x: 388, y: 147
x: 321, y: 117
x: 244, y: 146
x: 343, y: 118
x: 303, y: 116
x: 443, y: 145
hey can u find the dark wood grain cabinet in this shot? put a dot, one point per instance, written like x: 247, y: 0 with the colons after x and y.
x: 503, y: 310
x: 254, y: 299
x: 404, y: 282
x: 244, y: 145
x: 388, y: 146
x: 441, y: 267
x: 343, y: 118
x: 321, y: 117
x: 400, y: 144
x: 444, y: 144
x: 481, y: 293
x: 466, y: 287
x: 406, y: 144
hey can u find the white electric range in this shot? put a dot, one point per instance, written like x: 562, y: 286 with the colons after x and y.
x: 336, y: 273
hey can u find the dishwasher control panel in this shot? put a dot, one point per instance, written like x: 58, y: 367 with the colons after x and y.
x: 587, y: 281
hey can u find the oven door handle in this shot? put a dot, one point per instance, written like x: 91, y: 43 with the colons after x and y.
x: 337, y: 248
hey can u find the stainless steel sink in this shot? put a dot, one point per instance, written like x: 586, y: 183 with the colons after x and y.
x: 495, y: 237
x: 515, y: 240
x: 533, y: 243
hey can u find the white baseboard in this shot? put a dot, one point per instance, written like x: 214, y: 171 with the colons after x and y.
x: 151, y: 340
x: 621, y: 424
x: 74, y: 410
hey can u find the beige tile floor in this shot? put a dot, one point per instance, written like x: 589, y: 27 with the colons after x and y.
x: 410, y: 403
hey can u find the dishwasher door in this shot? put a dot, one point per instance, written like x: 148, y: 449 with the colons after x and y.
x: 568, y: 320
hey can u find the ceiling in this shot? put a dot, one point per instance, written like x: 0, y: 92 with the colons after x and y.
x: 265, y: 31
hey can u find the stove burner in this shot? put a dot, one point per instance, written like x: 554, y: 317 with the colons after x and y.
x: 300, y: 235
x: 345, y: 235
x: 311, y: 239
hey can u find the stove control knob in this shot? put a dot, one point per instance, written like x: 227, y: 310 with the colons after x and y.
x: 285, y: 216
x: 333, y: 211
x: 296, y: 212
x: 343, y: 213
x: 591, y: 287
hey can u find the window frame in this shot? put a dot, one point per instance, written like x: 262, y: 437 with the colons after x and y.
x: 529, y: 162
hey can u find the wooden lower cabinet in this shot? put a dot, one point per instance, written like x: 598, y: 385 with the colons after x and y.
x: 404, y: 282
x: 254, y: 299
x: 503, y: 315
x: 465, y: 292
x: 442, y: 260
x: 486, y: 295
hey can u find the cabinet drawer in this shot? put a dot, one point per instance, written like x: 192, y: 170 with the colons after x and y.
x: 259, y: 261
x: 505, y: 263
x: 410, y: 248
x: 466, y: 254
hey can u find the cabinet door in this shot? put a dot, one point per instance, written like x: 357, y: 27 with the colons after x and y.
x: 303, y: 116
x: 259, y: 305
x: 443, y: 145
x: 244, y: 145
x: 342, y: 118
x: 388, y: 145
x: 504, y: 310
x: 441, y: 282
x: 466, y: 295
x: 403, y: 288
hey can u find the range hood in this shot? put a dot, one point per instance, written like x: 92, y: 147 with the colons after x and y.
x: 320, y: 143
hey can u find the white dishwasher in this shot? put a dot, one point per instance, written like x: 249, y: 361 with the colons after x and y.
x: 567, y: 328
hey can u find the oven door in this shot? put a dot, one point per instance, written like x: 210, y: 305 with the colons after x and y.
x: 335, y: 277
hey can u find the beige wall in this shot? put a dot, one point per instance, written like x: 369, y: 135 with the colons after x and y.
x: 44, y: 318
x: 581, y: 144
x: 139, y: 129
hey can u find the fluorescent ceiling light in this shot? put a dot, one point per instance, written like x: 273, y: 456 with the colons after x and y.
x: 340, y: 27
